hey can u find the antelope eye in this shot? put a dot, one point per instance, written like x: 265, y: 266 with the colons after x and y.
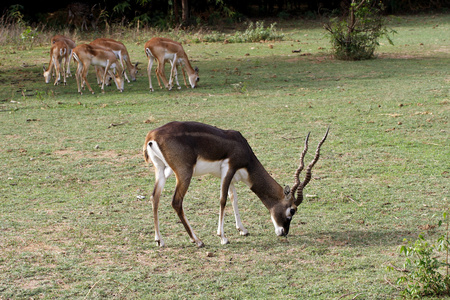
x: 292, y: 212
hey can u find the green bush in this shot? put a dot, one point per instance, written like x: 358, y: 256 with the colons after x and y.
x: 425, y: 273
x: 356, y: 36
x: 255, y: 32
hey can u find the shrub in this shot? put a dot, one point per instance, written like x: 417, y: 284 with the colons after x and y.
x: 356, y: 36
x: 255, y: 32
x: 425, y: 273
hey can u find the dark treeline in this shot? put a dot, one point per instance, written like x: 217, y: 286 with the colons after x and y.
x: 166, y: 13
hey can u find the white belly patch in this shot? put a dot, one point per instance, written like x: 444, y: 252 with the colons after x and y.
x: 204, y: 167
x: 217, y: 168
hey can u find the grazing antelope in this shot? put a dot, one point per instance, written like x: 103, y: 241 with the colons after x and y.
x: 193, y: 149
x: 85, y: 55
x: 58, y: 52
x: 70, y: 43
x: 121, y: 52
x: 165, y: 49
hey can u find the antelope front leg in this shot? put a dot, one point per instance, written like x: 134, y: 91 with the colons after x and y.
x: 84, y: 81
x: 233, y: 197
x: 157, y: 77
x: 108, y: 64
x: 220, y: 231
x: 121, y: 59
x: 64, y: 72
x: 126, y: 77
x: 78, y: 76
x: 162, y: 75
x: 184, y: 76
x: 67, y: 62
x: 58, y: 72
x: 172, y: 71
x: 225, y: 186
x: 176, y: 75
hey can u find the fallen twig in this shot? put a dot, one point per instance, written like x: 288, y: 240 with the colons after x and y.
x: 117, y: 124
x: 398, y: 269
x: 92, y: 288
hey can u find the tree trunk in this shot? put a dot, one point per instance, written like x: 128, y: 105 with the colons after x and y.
x: 175, y: 11
x: 185, y: 11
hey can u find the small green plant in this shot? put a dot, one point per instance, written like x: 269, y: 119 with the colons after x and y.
x: 28, y: 37
x: 240, y: 87
x: 426, y: 273
x: 356, y: 36
x: 255, y: 32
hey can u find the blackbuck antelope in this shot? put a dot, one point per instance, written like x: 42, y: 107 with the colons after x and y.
x: 163, y: 50
x: 121, y: 52
x: 85, y: 55
x: 70, y: 44
x: 193, y: 149
x: 58, y: 52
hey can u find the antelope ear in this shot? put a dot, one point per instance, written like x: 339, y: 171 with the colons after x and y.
x: 287, y: 190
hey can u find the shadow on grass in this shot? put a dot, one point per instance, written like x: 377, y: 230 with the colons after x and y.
x: 357, y: 239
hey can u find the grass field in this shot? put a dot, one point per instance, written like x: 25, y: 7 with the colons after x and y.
x: 72, y: 221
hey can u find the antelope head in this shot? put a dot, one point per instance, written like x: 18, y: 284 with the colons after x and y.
x: 283, y: 212
x: 119, y: 80
x: 47, y: 74
x: 194, y: 78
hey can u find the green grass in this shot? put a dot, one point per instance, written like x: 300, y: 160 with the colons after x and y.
x: 71, y: 223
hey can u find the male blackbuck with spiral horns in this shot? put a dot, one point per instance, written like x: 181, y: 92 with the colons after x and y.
x: 193, y: 149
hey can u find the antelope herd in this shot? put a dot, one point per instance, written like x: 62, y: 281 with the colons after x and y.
x: 112, y: 62
x: 186, y: 149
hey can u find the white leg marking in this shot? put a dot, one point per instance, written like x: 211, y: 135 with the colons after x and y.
x: 174, y: 65
x: 224, y: 168
x: 233, y: 197
x: 149, y: 68
x: 175, y: 74
x: 162, y: 172
x: 159, y: 186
